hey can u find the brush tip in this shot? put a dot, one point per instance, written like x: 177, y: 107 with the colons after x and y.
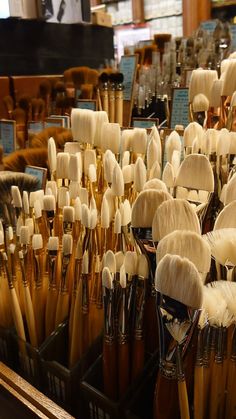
x: 67, y: 244
x: 37, y: 241
x: 53, y: 243
x: 107, y: 280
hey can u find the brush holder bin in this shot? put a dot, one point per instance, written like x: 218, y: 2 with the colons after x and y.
x: 96, y: 404
x: 8, y: 347
x: 60, y: 383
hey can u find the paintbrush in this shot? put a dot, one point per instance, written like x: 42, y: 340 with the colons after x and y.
x: 119, y: 98
x: 38, y: 294
x: 123, y: 337
x: 52, y: 293
x: 103, y: 89
x: 62, y: 167
x: 52, y: 157
x: 178, y: 304
x: 226, y: 217
x: 17, y: 202
x: 109, y: 342
x: 85, y: 329
x: 111, y: 97
x: 138, y: 339
x: 40, y: 222
x: 49, y: 208
x: 62, y: 309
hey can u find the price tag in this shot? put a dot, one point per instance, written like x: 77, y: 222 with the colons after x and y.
x: 54, y: 122
x: 86, y: 104
x: 40, y: 173
x: 128, y: 65
x: 179, y: 108
x: 145, y: 122
x: 209, y: 25
x: 8, y: 136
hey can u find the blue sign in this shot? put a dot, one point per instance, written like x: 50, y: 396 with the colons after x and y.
x: 128, y: 64
x: 179, y: 108
x: 8, y: 136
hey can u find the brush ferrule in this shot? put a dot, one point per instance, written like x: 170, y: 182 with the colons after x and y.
x: 85, y: 294
x: 123, y: 317
x: 67, y: 227
x: 233, y: 350
x: 139, y: 310
x: 52, y: 257
x: 219, y: 356
x: 65, y: 264
x: 179, y: 364
x: 8, y: 275
x: 109, y: 329
x: 168, y: 369
x: 199, y: 355
x: 37, y: 269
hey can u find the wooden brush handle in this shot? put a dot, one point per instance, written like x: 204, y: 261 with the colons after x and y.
x: 104, y: 100
x: 215, y: 394
x: 137, y: 357
x: 232, y: 392
x: 183, y: 400
x: 74, y: 344
x: 198, y: 393
x: 123, y: 368
x: 112, y: 106
x: 119, y: 107
x: 110, y: 370
x: 165, y: 403
x: 39, y: 313
x: 16, y: 314
x: 29, y: 313
x: 50, y: 314
x: 62, y: 310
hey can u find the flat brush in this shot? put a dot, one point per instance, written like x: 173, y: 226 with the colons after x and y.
x: 52, y: 294
x: 123, y: 337
x: 40, y: 222
x: 49, y: 208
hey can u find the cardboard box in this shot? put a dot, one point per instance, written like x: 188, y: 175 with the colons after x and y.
x: 102, y: 18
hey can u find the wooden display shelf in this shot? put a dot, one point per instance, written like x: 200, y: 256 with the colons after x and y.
x: 224, y: 3
x: 17, y: 395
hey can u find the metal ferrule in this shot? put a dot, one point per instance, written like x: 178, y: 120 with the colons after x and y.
x: 168, y: 369
x: 219, y: 356
x: 85, y: 294
x: 67, y: 227
x: 123, y: 318
x: 139, y: 309
x: 37, y: 268
x: 65, y: 264
x: 233, y: 350
x: 179, y: 364
x: 208, y: 336
x: 109, y: 330
x: 199, y: 355
x: 52, y: 257
x: 50, y: 219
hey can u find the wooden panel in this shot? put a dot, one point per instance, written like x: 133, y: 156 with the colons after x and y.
x: 16, y: 395
x: 194, y: 12
x: 138, y: 11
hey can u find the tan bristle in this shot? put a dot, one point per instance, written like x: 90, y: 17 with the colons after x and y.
x: 37, y: 209
x: 140, y: 174
x: 226, y: 218
x: 68, y: 214
x: 139, y: 140
x: 109, y: 162
x: 85, y: 263
x: 83, y: 194
x: 37, y: 241
x: 107, y: 280
x: 67, y: 244
x: 74, y: 189
x: 125, y: 159
x: 63, y: 165
x: 154, y: 134
x: 51, y: 184
x: 122, y: 276
x: 74, y: 173
x: 130, y: 262
x: 63, y: 197
x: 179, y: 279
x: 196, y: 172
x: 89, y: 158
x: 1, y: 238
x: 92, y: 173
x: 215, y: 95
x: 232, y: 149
x: 216, y: 307
x: 173, y: 142
x: 111, y: 203
x: 19, y: 224
x: 230, y: 191
x: 110, y: 137
x: 78, y: 209
x: 83, y: 125
x: 211, y: 140
x: 223, y: 143
x: 110, y: 261
x: 229, y: 82
x: 175, y: 161
x: 12, y: 248
x: 201, y: 81
x: 128, y: 173
x: 125, y: 210
x: 192, y: 131
x: 72, y: 148
x: 155, y: 184
x: 186, y: 244
x: 152, y: 154
x: 105, y: 217
x: 175, y: 214
x: 155, y: 171
x: 168, y: 175
x: 117, y: 187
x: 233, y: 100
x: 85, y: 216
x: 24, y: 235
x: 228, y: 291
x: 200, y: 103
x: 92, y: 204
x: 10, y: 233
x: 93, y: 219
x: 16, y: 197
x: 52, y: 155
x: 53, y: 244
x: 119, y: 260
x: 117, y: 222
x: 49, y: 203
x: 142, y: 266
x: 145, y: 206
x: 29, y: 222
x: 126, y: 139
x: 25, y: 202
x: 101, y: 117
x: 34, y: 196
x: 222, y: 243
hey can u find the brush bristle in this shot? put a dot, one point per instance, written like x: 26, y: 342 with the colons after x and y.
x: 107, y: 280
x: 93, y: 219
x: 52, y: 185
x: 53, y: 244
x: 49, y: 203
x: 83, y: 195
x: 192, y: 131
x: 122, y: 276
x: 154, y: 135
x: 109, y: 162
x: 186, y: 244
x: 155, y: 184
x: 74, y: 173
x: 126, y: 158
x: 145, y: 206
x: 155, y: 171
x: 152, y: 154
x: 52, y: 154
x: 222, y: 243
x: 200, y: 103
x: 34, y: 196
x: 29, y: 222
x: 1, y: 238
x: 24, y: 235
x: 175, y: 214
x: 130, y: 262
x: 139, y: 141
x: 142, y: 267
x: 226, y: 218
x: 101, y: 117
x: 179, y: 279
x: 105, y: 216
x: 63, y: 197
x: 78, y: 209
x: 125, y: 213
x: 16, y: 196
x: 89, y: 158
x: 85, y: 216
x: 230, y: 191
x: 63, y: 165
x: 119, y: 260
x: 85, y: 263
x: 26, y: 202
x: 110, y: 261
x: 117, y: 187
x: 92, y: 173
x: 140, y: 174
x: 223, y: 143
x: 83, y: 125
x: 117, y: 222
x: 67, y: 244
x: 37, y: 209
x: 110, y: 137
x: 72, y: 148
x: 126, y: 139
x: 37, y: 241
x: 68, y: 214
x: 173, y: 142
x: 168, y: 175
x: 10, y: 233
x: 196, y: 172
